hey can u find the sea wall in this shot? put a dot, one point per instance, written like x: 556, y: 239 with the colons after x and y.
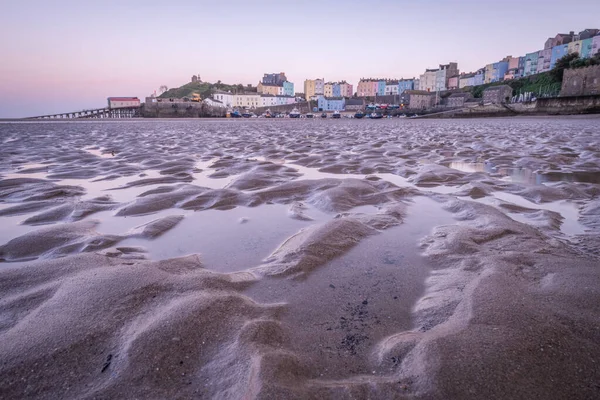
x: 180, y: 109
x: 568, y: 105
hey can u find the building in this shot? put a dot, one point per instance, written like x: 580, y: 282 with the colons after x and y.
x: 367, y: 87
x: 443, y: 74
x: 419, y: 99
x: 354, y: 104
x: 595, y: 45
x: 531, y: 61
x: 466, y: 80
x: 274, y: 90
x: 328, y: 89
x: 585, y: 50
x: 456, y: 100
x: 581, y: 81
x: 195, y: 78
x: 391, y: 87
x: 559, y: 39
x: 225, y: 98
x: 495, y: 72
x: 588, y: 34
x: 346, y: 89
x: 268, y: 100
x: 544, y: 57
x: 313, y: 88
x: 406, y: 84
x: 497, y: 94
x: 558, y: 52
x: 123, y: 102
x: 283, y: 100
x: 274, y: 79
x: 247, y: 100
x: 288, y: 88
x: 416, y: 85
x: 213, y: 103
x: 381, y: 87
x: 428, y: 80
x: 479, y: 77
x: 452, y: 82
x: 330, y: 103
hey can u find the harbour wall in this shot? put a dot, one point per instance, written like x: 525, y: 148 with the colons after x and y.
x: 180, y: 109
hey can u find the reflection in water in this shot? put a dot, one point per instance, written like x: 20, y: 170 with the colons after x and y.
x: 526, y: 175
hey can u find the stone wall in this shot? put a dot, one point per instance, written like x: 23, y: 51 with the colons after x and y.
x: 568, y: 105
x: 581, y: 81
x: 179, y: 109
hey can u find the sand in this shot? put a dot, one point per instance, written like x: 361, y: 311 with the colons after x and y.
x: 300, y: 259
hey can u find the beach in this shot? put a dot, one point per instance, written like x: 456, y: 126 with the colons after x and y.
x: 300, y: 259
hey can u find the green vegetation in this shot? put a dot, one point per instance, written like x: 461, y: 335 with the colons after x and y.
x: 540, y: 84
x: 546, y: 83
x: 204, y: 89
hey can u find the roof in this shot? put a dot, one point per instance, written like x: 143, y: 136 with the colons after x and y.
x: 421, y: 92
x: 456, y: 95
x: 333, y: 98
x: 214, y: 101
x: 122, y: 98
x: 354, y: 102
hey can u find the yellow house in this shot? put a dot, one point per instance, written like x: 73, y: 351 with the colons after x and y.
x: 328, y: 89
x: 313, y: 87
x: 269, y: 89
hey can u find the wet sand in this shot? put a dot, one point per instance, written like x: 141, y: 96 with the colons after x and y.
x: 300, y: 259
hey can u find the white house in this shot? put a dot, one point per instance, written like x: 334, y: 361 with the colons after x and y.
x: 226, y: 98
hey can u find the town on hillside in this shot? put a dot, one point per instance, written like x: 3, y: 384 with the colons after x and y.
x: 523, y: 79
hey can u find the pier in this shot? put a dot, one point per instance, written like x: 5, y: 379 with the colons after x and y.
x: 105, y: 113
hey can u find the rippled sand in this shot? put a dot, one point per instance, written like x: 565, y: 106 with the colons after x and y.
x: 300, y: 259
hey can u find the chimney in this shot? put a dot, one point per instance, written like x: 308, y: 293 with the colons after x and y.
x: 571, y: 33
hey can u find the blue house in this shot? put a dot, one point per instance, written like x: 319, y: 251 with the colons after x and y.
x: 558, y: 52
x: 331, y: 103
x: 405, y: 84
x: 499, y: 70
x: 337, y: 90
x: 479, y: 77
x: 381, y: 88
x: 288, y: 88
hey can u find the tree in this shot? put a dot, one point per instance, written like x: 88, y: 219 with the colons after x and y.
x: 163, y: 88
x: 562, y: 64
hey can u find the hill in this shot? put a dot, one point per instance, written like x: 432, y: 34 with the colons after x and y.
x: 204, y: 89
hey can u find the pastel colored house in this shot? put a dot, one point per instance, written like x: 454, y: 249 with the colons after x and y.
x: 313, y: 87
x: 391, y: 88
x: 346, y: 89
x: 405, y: 84
x: 558, y: 52
x: 595, y: 45
x: 466, y: 80
x: 288, y: 88
x: 531, y: 61
x: 427, y: 81
x: 275, y: 90
x: 586, y: 48
x: 381, y: 87
x: 544, y: 57
x: 495, y: 72
x: 367, y: 88
x: 268, y: 100
x: 330, y: 103
x: 247, y: 100
x: 453, y: 82
x: 337, y: 90
x: 328, y: 89
x: 479, y: 77
x: 225, y: 98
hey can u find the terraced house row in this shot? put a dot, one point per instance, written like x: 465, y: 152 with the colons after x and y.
x: 585, y: 43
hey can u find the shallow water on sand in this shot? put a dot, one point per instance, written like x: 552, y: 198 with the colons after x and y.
x: 329, y: 242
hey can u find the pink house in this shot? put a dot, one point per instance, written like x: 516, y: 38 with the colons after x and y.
x: 367, y: 88
x: 453, y: 82
x: 513, y: 63
x: 595, y: 45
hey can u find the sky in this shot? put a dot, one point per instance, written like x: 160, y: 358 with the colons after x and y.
x: 68, y: 55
